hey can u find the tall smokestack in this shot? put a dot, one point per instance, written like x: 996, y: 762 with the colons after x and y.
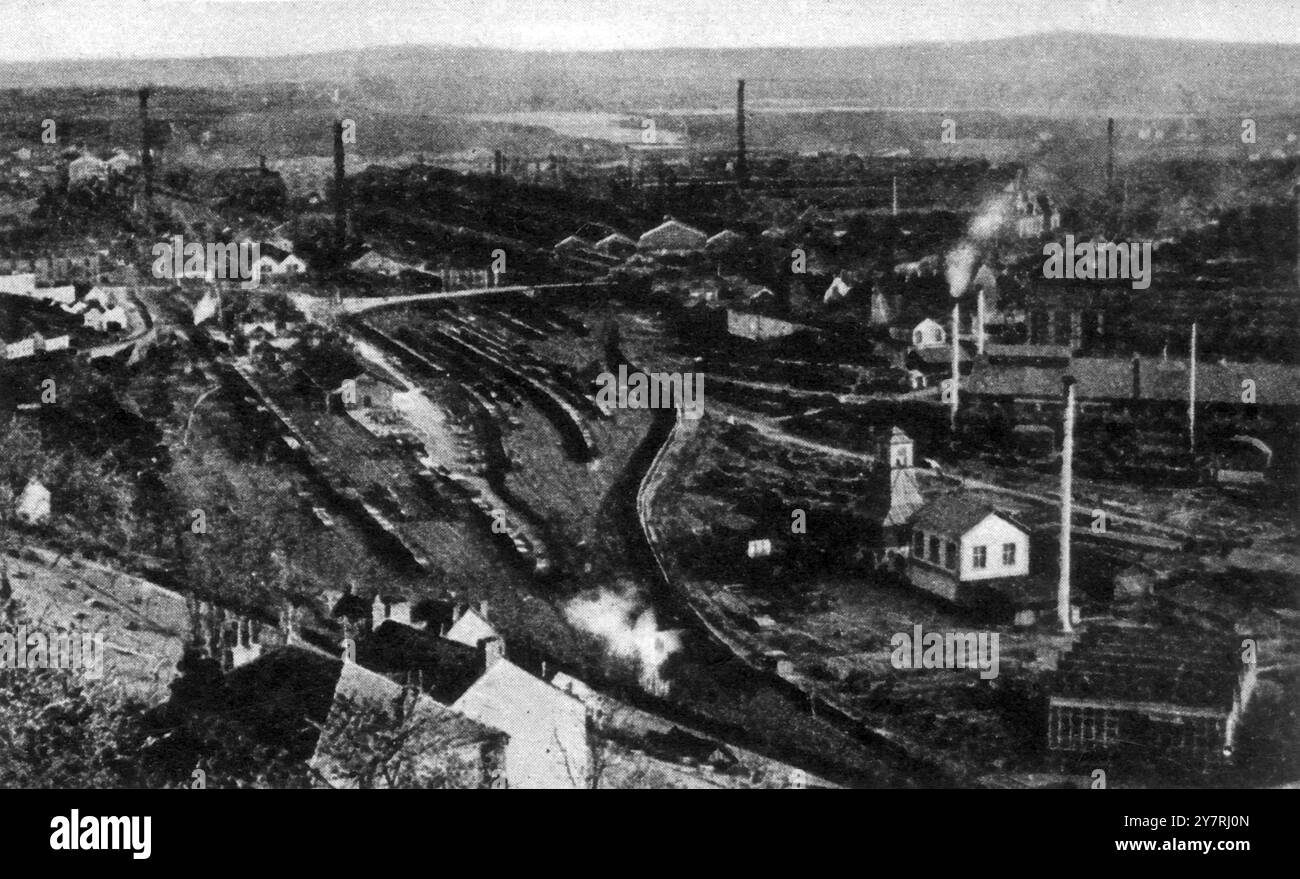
x: 340, y: 188
x: 146, y: 154
x: 1191, y: 396
x: 1067, y: 507
x: 979, y: 320
x: 895, y: 196
x: 742, y: 170
x: 1110, y: 151
x: 956, y: 366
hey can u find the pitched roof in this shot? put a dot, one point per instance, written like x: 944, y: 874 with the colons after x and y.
x: 672, y: 235
x: 954, y: 514
x: 1174, y: 666
x: 438, y: 732
x: 445, y: 668
x: 614, y: 240
x: 904, y: 496
x: 470, y: 629
x: 1111, y: 378
x: 548, y: 745
x: 281, y: 693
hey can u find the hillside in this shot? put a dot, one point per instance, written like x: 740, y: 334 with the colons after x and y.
x: 1061, y: 73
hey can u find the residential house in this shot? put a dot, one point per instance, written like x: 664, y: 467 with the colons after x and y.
x: 548, y: 745
x: 960, y: 543
x: 427, y: 743
x: 471, y: 627
x: 33, y: 505
x: 18, y: 285
x: 929, y: 333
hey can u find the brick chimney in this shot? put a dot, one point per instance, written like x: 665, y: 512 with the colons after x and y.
x: 1110, y: 151
x: 340, y: 188
x: 146, y: 153
x: 742, y: 170
x: 490, y: 650
x: 1067, y: 506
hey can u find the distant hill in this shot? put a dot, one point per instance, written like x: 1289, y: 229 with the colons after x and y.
x: 1058, y: 73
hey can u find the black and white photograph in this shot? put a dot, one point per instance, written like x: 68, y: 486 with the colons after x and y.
x: 474, y: 394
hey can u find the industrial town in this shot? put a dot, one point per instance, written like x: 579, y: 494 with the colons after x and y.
x: 796, y: 419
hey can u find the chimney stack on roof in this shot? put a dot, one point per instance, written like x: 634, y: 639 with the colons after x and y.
x: 490, y: 650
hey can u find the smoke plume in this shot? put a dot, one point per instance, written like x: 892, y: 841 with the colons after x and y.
x: 629, y: 629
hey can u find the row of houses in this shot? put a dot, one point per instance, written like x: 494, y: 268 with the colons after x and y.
x: 51, y: 269
x: 25, y: 285
x: 372, y: 262
x: 33, y: 345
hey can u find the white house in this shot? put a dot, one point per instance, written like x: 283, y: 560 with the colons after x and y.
x: 18, y: 285
x: 548, y: 745
x: 470, y: 628
x: 929, y: 334
x: 33, y: 505
x: 291, y: 265
x: 61, y: 295
x: 86, y: 168
x: 957, y: 541
x: 115, y: 318
x: 838, y: 290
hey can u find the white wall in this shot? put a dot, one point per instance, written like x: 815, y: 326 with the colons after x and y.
x: 992, y: 533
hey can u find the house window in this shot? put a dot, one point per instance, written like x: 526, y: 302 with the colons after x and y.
x: 917, y: 338
x: 934, y: 551
x: 950, y: 560
x: 918, y: 544
x: 937, y: 335
x: 980, y: 557
x: 1008, y: 554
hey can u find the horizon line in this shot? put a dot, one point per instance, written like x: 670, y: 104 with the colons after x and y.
x: 758, y: 47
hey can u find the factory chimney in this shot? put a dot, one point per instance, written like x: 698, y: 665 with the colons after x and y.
x: 979, y: 320
x: 895, y: 195
x: 956, y: 366
x: 340, y: 188
x: 1067, y: 507
x: 1110, y: 151
x: 146, y: 154
x: 742, y: 170
x: 1191, y: 396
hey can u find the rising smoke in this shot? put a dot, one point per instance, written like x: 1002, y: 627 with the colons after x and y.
x: 989, y: 221
x: 630, y: 630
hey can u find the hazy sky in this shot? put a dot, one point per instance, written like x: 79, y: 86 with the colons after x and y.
x: 48, y: 29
